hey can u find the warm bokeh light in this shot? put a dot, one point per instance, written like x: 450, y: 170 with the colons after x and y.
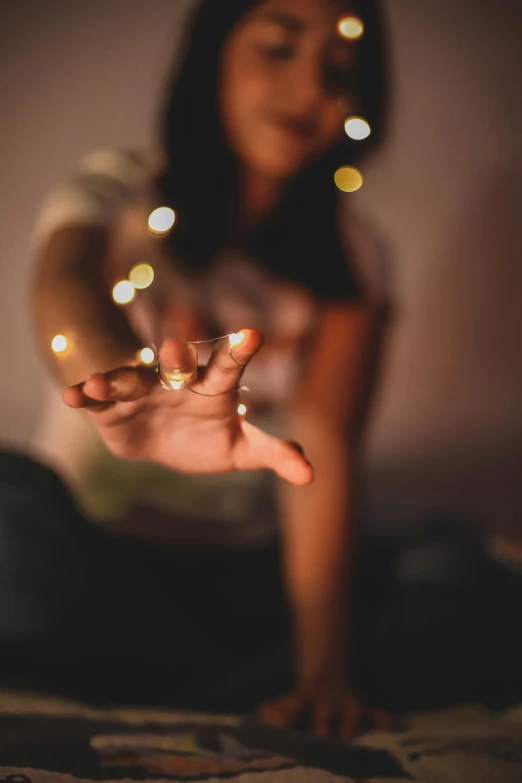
x: 176, y: 379
x: 348, y: 179
x: 161, y: 220
x: 351, y: 27
x: 59, y: 343
x: 179, y: 376
x: 236, y: 339
x: 357, y: 128
x: 147, y: 356
x: 241, y: 409
x: 141, y: 276
x: 123, y: 292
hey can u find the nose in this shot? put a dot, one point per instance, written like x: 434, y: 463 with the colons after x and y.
x: 305, y: 87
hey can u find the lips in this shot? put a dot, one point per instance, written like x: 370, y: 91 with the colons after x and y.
x: 302, y: 129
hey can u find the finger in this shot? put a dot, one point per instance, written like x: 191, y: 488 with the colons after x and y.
x: 257, y: 450
x: 123, y: 384
x: 178, y: 362
x: 272, y: 712
x: 75, y: 397
x: 228, y: 361
x: 281, y: 712
x: 349, y: 720
x: 323, y: 717
x: 297, y: 446
x: 381, y: 720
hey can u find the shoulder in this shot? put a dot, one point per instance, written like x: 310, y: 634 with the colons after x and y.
x: 94, y: 191
x: 366, y: 253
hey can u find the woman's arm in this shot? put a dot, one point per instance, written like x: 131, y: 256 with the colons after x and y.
x: 319, y: 521
x: 71, y: 296
x: 136, y: 418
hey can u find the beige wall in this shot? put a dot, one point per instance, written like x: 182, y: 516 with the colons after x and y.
x: 445, y: 192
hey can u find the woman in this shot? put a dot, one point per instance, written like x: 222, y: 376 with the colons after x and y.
x: 252, y: 135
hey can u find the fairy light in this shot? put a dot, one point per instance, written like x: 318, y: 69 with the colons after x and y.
x: 357, y: 128
x: 235, y: 339
x: 161, y: 220
x: 174, y: 379
x: 241, y: 409
x: 348, y: 179
x: 146, y: 356
x: 351, y: 27
x: 59, y: 343
x: 123, y: 292
x: 141, y: 276
x: 178, y: 376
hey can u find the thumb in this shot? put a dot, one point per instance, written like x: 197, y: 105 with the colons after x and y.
x: 291, y: 464
x: 258, y: 450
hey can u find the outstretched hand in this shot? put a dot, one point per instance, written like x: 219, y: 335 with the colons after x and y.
x: 193, y: 430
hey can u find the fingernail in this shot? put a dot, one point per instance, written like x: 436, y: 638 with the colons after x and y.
x: 297, y: 446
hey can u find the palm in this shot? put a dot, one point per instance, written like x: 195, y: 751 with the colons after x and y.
x: 194, y: 432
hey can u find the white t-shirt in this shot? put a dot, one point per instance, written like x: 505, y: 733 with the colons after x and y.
x: 110, y: 188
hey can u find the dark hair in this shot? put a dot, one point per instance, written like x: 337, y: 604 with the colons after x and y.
x: 200, y: 180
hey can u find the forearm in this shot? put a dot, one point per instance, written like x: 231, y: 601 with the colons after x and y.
x: 318, y: 536
x: 71, y: 297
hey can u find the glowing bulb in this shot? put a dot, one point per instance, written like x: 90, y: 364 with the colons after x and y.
x: 161, y: 220
x: 236, y: 339
x: 348, y: 179
x: 178, y: 376
x: 351, y: 27
x: 241, y: 409
x: 357, y: 128
x: 147, y: 356
x: 123, y: 292
x: 176, y: 379
x: 141, y: 276
x: 59, y: 343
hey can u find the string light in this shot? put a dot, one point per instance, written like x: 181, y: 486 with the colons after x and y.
x: 59, y: 343
x: 348, y: 179
x: 123, y: 292
x: 177, y: 379
x: 351, y: 27
x: 146, y: 356
x: 235, y: 339
x: 141, y: 276
x: 161, y: 220
x: 177, y: 376
x: 241, y: 409
x: 357, y: 128
x: 173, y: 380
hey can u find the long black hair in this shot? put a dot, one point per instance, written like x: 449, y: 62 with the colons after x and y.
x: 300, y: 239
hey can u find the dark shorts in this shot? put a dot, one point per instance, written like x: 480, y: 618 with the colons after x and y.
x: 436, y: 622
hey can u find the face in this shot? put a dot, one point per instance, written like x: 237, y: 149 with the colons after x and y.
x: 283, y: 94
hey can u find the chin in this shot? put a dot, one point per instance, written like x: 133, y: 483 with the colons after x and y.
x: 283, y: 167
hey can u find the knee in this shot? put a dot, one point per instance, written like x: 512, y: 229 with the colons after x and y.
x: 39, y: 554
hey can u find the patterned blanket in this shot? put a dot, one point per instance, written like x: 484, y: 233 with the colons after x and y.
x: 48, y: 740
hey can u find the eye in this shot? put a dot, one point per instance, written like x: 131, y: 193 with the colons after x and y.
x: 279, y: 51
